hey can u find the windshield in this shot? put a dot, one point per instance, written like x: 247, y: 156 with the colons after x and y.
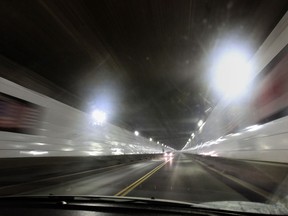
x: 176, y: 100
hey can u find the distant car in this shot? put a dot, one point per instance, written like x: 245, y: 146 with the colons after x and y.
x: 168, y: 154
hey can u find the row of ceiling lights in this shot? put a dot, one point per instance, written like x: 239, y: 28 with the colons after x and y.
x: 99, y: 117
x: 136, y: 133
x: 231, y: 74
x: 200, y: 123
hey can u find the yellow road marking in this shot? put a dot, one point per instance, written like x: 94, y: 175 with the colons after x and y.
x: 129, y: 188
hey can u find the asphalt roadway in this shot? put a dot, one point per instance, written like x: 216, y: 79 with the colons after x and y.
x: 179, y: 178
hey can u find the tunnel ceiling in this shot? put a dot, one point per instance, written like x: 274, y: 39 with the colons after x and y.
x: 145, y: 63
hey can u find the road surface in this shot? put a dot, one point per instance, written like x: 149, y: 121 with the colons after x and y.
x: 179, y: 178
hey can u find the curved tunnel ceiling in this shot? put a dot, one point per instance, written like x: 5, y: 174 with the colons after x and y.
x: 146, y: 63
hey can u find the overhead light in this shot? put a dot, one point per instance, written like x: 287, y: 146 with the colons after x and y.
x: 150, y: 139
x: 98, y: 116
x: 207, y: 110
x: 136, y: 133
x: 157, y: 142
x: 200, y: 123
x: 232, y: 74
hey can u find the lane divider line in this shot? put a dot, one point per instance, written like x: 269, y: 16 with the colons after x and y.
x: 246, y: 185
x: 129, y: 188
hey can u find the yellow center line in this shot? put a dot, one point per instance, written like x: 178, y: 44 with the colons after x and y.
x: 129, y: 188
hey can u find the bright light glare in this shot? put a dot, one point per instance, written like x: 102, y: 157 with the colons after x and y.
x: 232, y: 74
x: 98, y: 116
x: 34, y: 152
x: 236, y: 134
x: 136, y: 133
x: 254, y: 127
x: 150, y: 139
x: 200, y: 123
